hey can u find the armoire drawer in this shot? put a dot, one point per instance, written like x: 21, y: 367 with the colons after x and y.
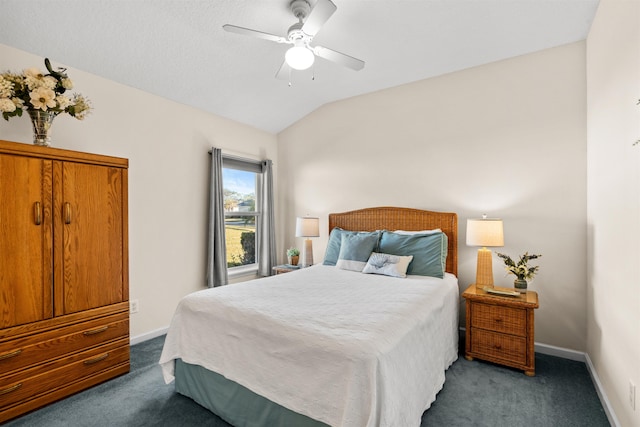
x: 40, y: 347
x: 48, y: 377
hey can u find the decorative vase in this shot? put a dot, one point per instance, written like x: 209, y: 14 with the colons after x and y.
x: 520, y: 285
x: 293, y: 259
x: 41, y: 121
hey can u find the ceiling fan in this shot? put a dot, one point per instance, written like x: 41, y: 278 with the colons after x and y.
x: 302, y: 55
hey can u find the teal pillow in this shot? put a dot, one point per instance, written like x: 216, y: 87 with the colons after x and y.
x: 429, y: 251
x: 355, y: 250
x: 335, y: 240
x: 333, y: 247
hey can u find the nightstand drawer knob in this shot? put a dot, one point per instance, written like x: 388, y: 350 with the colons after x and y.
x: 498, y: 320
x: 497, y: 346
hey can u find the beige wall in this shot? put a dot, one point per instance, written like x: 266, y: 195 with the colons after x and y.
x: 613, y: 70
x: 166, y: 144
x: 506, y: 138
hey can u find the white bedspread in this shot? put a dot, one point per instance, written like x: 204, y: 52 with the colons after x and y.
x: 344, y: 348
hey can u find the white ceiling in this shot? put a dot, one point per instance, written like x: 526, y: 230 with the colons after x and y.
x: 177, y: 48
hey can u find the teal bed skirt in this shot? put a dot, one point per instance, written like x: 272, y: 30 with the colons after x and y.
x: 232, y: 402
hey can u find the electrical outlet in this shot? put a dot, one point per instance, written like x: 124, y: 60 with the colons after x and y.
x: 632, y: 395
x: 133, y: 306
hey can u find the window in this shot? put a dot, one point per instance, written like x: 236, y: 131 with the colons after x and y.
x: 240, y: 179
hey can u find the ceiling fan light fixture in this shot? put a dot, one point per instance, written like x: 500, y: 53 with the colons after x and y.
x: 299, y: 57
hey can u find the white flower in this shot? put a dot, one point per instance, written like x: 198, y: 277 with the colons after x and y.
x: 7, y: 106
x: 18, y: 102
x: 33, y: 78
x: 6, y: 88
x: 80, y: 107
x: 67, y: 83
x: 49, y: 82
x: 43, y: 98
x: 63, y: 102
x: 32, y: 72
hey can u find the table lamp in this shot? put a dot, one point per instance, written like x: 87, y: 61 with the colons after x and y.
x: 484, y: 232
x: 307, y: 227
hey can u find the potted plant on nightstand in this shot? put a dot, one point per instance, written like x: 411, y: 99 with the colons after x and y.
x: 521, y: 270
x: 293, y: 255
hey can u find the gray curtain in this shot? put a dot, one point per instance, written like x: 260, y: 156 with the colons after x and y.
x: 266, y: 244
x: 216, y: 250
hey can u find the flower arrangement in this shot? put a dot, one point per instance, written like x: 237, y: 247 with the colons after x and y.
x: 33, y: 90
x: 520, y: 269
x: 293, y: 252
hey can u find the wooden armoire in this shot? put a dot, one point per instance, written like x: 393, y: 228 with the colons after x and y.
x: 64, y: 279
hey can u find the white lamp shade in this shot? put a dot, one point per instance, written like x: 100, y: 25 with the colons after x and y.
x: 299, y: 57
x: 485, y: 232
x: 307, y: 227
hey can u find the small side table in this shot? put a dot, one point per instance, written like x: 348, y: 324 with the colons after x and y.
x: 500, y: 329
x: 285, y: 268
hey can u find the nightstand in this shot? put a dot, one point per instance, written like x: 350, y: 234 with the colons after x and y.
x: 285, y: 268
x: 500, y: 329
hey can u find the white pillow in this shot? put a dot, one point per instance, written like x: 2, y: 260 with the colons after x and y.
x: 388, y: 265
x: 409, y: 233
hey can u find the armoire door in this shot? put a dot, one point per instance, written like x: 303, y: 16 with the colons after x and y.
x: 25, y: 240
x: 89, y: 211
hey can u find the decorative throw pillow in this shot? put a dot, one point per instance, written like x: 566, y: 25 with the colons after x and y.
x: 389, y: 265
x: 335, y: 240
x: 429, y: 251
x: 355, y: 250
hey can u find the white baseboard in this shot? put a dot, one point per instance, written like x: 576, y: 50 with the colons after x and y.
x: 147, y: 336
x: 565, y: 353
x: 608, y: 409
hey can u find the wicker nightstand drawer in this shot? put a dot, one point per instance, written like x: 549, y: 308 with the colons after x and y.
x: 495, y: 345
x: 500, y: 329
x: 499, y: 318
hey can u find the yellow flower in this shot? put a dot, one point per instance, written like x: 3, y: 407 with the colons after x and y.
x: 43, y: 98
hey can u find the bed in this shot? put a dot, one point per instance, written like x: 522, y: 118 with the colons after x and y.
x: 326, y: 345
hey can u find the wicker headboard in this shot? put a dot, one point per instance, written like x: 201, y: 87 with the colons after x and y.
x: 391, y: 218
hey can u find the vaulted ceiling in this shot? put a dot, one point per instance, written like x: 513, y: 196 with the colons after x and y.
x: 177, y: 49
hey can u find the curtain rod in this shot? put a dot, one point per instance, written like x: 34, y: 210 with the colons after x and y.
x: 242, y: 159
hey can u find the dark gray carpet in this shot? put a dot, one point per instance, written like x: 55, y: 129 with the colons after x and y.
x: 475, y: 394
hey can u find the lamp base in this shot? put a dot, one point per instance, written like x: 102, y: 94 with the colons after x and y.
x: 484, y: 269
x: 307, y: 254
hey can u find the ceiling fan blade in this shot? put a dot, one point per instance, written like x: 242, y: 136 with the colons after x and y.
x: 320, y: 13
x: 339, y: 58
x: 247, y: 32
x: 284, y: 73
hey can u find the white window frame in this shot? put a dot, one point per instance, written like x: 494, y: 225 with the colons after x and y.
x: 229, y: 162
